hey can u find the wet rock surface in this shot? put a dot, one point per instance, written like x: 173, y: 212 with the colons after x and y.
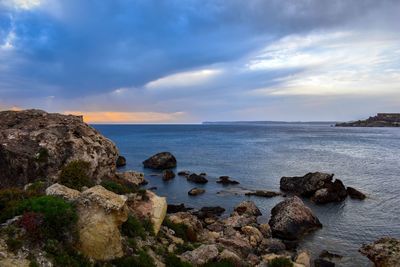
x: 355, y: 194
x: 263, y: 193
x: 196, y: 191
x: 226, y: 180
x: 306, y: 185
x: 384, y: 252
x: 198, y: 179
x: 168, y: 175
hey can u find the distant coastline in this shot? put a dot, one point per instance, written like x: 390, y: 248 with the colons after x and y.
x: 266, y: 122
x: 380, y: 120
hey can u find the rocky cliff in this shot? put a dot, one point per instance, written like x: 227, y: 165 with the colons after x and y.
x: 35, y: 145
x: 380, y: 120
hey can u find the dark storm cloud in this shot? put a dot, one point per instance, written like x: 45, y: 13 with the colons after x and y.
x: 77, y: 47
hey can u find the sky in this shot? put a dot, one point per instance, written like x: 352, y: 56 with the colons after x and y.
x: 175, y: 61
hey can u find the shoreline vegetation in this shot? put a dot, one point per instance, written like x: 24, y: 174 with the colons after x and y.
x: 63, y: 202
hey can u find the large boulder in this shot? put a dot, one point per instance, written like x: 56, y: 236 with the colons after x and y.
x: 160, y: 161
x: 100, y: 215
x: 131, y: 177
x: 291, y: 219
x: 35, y: 144
x: 152, y: 207
x: 306, y: 185
x: 247, y: 208
x: 201, y: 255
x: 384, y: 252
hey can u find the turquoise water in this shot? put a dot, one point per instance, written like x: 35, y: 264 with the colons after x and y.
x: 257, y: 155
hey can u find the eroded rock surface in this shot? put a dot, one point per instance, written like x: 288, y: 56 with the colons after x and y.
x: 291, y: 219
x: 36, y: 144
x: 160, y: 161
x: 384, y: 252
x: 306, y: 185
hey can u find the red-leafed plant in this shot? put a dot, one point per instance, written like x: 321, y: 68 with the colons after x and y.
x: 32, y: 222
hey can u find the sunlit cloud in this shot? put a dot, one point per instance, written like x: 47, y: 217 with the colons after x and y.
x: 128, y: 117
x: 184, y: 79
x: 22, y: 4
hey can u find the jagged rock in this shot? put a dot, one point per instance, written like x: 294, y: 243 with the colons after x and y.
x: 230, y: 256
x: 63, y: 192
x: 35, y: 144
x: 238, y: 221
x: 195, y: 227
x: 160, y: 161
x: 306, y: 185
x: 101, y: 213
x: 206, y: 212
x: 303, y: 258
x: 168, y: 175
x: 201, y: 255
x: 272, y: 245
x: 177, y: 208
x: 239, y: 244
x: 133, y: 177
x: 354, y: 193
x: 225, y: 180
x: 263, y: 193
x: 291, y: 219
x: 196, y: 191
x: 197, y: 179
x: 384, y: 252
x: 334, y: 192
x: 121, y: 161
x: 265, y: 229
x: 247, y: 208
x: 153, y: 207
x: 323, y: 263
x: 254, y: 235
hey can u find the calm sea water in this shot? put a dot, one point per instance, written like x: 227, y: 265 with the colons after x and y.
x: 257, y: 155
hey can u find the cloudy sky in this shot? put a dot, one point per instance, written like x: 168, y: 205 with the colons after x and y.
x: 175, y: 61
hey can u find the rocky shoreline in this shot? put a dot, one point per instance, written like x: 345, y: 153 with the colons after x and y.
x: 380, y: 120
x: 63, y: 203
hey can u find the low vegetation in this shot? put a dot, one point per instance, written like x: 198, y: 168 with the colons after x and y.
x: 280, y: 262
x: 75, y: 175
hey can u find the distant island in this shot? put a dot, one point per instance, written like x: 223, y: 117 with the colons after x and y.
x: 380, y: 120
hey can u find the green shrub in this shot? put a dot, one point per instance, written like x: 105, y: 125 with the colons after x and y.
x: 118, y: 187
x: 135, y: 227
x: 172, y: 260
x: 181, y: 248
x: 59, y: 216
x: 280, y: 262
x: 14, y: 244
x: 65, y: 255
x: 181, y: 230
x: 141, y: 260
x: 75, y: 175
x: 42, y: 155
x: 222, y: 263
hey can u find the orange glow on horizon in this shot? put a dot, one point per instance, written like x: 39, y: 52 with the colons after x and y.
x: 127, y: 117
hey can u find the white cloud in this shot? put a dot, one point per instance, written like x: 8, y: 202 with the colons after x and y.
x: 23, y: 4
x: 184, y: 79
x: 8, y: 42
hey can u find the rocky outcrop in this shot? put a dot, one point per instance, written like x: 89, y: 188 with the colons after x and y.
x: 226, y: 180
x: 198, y: 179
x: 384, y: 252
x: 201, y: 255
x: 35, y: 144
x: 263, y: 193
x: 101, y: 213
x: 63, y: 192
x: 196, y: 191
x: 132, y: 177
x: 153, y: 207
x: 247, y: 208
x: 291, y: 219
x: 380, y: 120
x: 160, y: 161
x: 355, y: 194
x: 306, y: 185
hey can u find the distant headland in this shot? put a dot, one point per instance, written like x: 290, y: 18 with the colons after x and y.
x: 380, y: 120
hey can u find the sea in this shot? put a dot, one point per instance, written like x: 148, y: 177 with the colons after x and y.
x: 258, y: 154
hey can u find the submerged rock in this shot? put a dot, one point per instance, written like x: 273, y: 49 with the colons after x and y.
x: 323, y: 263
x: 196, y: 191
x: 384, y: 252
x: 184, y: 173
x: 177, y: 208
x: 263, y: 193
x: 291, y: 219
x: 160, y: 161
x: 168, y: 175
x: 121, y: 161
x: 197, y: 179
x: 36, y: 144
x: 355, y: 194
x: 225, y: 180
x: 306, y: 185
